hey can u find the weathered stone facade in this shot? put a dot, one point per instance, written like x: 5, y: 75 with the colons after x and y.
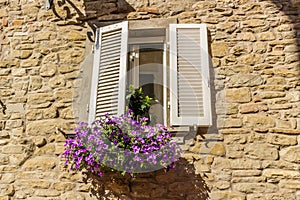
x: 251, y: 152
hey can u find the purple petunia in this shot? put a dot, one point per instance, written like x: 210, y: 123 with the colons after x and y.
x: 122, y: 143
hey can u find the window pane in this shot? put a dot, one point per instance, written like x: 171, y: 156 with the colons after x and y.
x: 146, y: 71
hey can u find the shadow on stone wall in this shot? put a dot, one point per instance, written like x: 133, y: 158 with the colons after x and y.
x: 177, y: 184
x: 105, y: 12
x: 96, y: 14
x: 291, y: 9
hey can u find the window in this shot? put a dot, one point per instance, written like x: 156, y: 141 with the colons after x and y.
x: 171, y: 65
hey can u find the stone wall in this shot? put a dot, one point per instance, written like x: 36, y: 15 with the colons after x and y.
x: 252, y: 150
x: 39, y: 65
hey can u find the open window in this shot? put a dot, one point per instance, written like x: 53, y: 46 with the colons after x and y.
x: 171, y: 64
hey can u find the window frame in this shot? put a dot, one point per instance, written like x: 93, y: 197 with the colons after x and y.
x: 169, y: 64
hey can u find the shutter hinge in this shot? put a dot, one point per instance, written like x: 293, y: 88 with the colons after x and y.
x: 87, y: 108
x: 97, y: 38
x: 169, y: 105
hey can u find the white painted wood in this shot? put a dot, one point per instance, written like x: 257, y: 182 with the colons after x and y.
x: 190, y: 96
x: 109, y: 71
x: 165, y: 85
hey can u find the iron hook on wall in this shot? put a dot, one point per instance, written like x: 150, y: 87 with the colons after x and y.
x: 48, y: 4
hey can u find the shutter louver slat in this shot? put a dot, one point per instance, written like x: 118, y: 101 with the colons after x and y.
x: 108, y: 85
x: 111, y: 33
x: 111, y: 54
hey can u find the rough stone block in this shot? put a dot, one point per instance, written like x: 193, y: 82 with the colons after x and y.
x: 214, y: 148
x: 11, y: 124
x: 15, y: 108
x: 57, y: 81
x: 29, y: 63
x: 47, y: 193
x: 50, y: 113
x: 261, y: 151
x: 284, y: 140
x: 248, y: 108
x: 252, y: 23
x: 75, y: 36
x: 235, y: 131
x: 246, y: 36
x: 290, y: 184
x: 34, y: 114
x: 40, y: 163
x: 287, y: 73
x: 245, y: 80
x: 230, y: 123
x: 266, y: 36
x: 250, y: 59
x: 221, y: 164
x: 291, y: 154
x: 35, y: 83
x: 235, y: 151
x: 258, y: 120
x: 4, y: 159
x: 13, y: 149
x: 285, y: 131
x: 271, y: 95
x: 65, y: 95
x: 235, y: 139
x: 67, y: 113
x: 3, y: 12
x: 18, y: 72
x: 219, y: 49
x: 246, y: 173
x: 72, y: 195
x: 221, y: 195
x: 248, y: 179
x: 240, y: 95
x: 275, y: 175
x: 33, y: 183
x: 48, y: 70
x: 48, y: 149
x: 39, y: 98
x: 244, y: 163
x: 255, y: 187
x: 44, y: 127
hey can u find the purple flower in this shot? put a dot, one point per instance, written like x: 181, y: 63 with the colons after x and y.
x: 152, y: 158
x: 137, y: 158
x: 119, y: 142
x: 136, y: 149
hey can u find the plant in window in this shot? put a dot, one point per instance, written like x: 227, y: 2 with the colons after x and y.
x: 138, y: 102
x: 123, y: 143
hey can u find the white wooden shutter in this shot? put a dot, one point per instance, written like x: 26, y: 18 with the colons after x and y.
x: 109, y: 71
x: 189, y: 75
